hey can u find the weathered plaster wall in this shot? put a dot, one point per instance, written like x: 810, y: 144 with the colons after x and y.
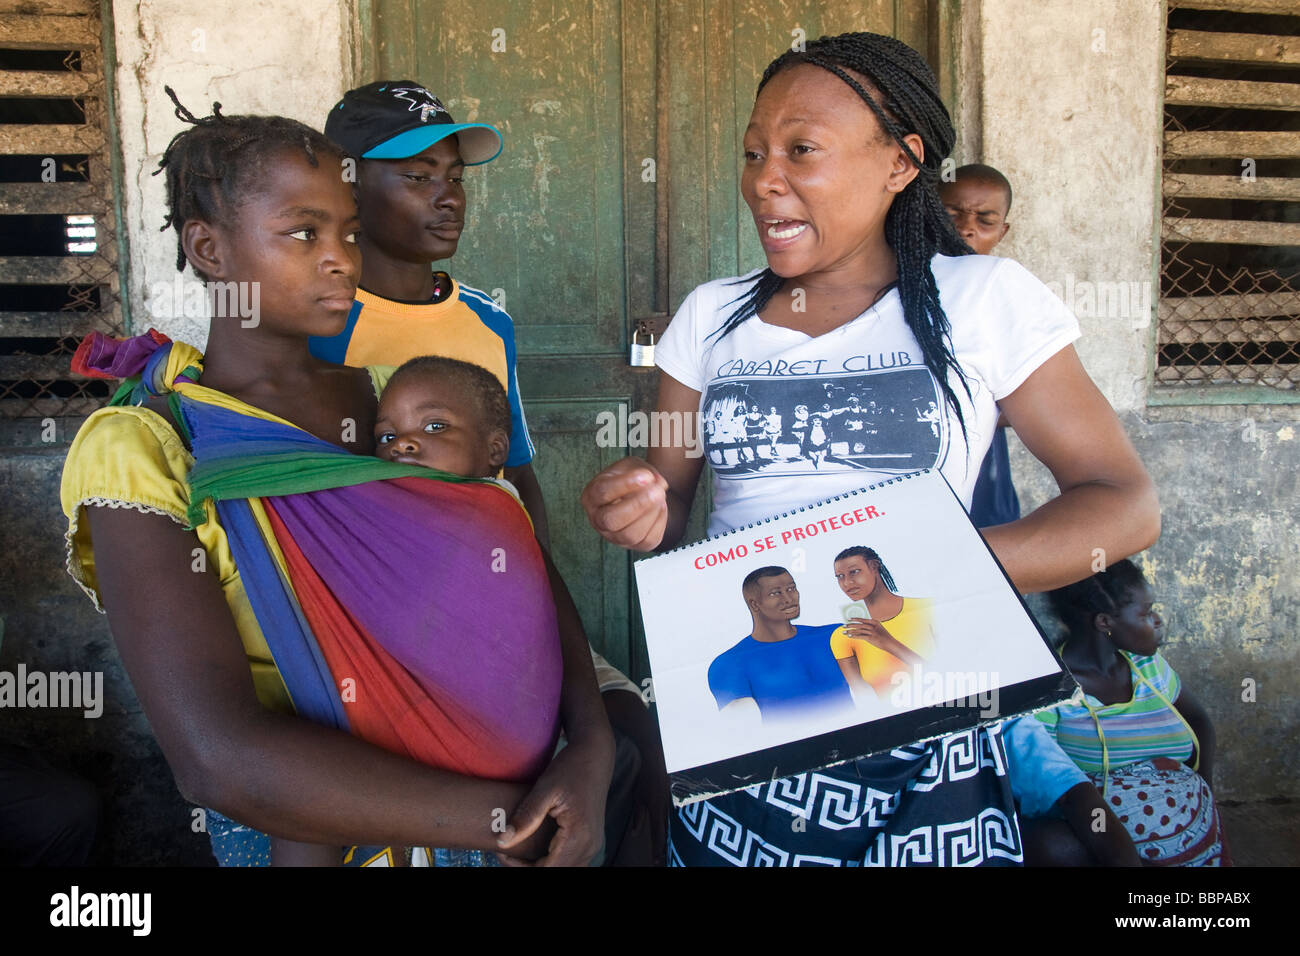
x: 290, y: 57
x: 1070, y: 111
x: 1071, y: 114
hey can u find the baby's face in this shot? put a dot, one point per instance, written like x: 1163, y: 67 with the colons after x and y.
x: 423, y: 420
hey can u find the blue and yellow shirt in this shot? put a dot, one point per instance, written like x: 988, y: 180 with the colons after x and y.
x: 467, y: 325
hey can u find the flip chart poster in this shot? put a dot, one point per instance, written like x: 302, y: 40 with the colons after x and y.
x: 848, y: 627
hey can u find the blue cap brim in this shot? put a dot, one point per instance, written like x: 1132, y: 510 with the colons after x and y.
x: 476, y: 149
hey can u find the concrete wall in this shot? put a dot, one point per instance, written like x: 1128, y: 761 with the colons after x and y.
x: 49, y: 625
x: 1070, y: 110
x: 1071, y: 114
x: 291, y: 57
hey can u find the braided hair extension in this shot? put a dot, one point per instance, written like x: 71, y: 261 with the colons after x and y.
x: 210, y: 165
x: 869, y: 554
x: 1078, y: 604
x: 917, y: 226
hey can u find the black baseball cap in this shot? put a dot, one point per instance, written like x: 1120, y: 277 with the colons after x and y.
x: 396, y: 119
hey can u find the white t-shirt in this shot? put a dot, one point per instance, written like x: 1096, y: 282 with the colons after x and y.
x: 857, y: 404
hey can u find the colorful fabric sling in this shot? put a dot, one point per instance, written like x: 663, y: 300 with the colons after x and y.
x: 406, y: 606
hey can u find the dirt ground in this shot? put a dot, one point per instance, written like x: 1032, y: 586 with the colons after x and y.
x: 1263, y: 834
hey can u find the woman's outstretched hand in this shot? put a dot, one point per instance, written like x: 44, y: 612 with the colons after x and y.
x: 627, y: 504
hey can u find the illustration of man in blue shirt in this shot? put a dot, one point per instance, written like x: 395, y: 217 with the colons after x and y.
x: 787, y: 669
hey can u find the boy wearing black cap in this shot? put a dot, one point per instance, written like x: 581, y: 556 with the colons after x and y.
x: 411, y: 156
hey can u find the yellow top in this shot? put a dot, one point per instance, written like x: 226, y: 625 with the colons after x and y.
x: 130, y: 457
x: 912, y: 627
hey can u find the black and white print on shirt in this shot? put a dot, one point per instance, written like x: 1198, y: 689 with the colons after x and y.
x: 885, y: 420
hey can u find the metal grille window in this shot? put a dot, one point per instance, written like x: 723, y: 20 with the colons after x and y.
x: 1229, y: 316
x: 58, y: 232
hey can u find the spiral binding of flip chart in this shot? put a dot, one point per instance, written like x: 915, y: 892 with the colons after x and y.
x: 791, y: 513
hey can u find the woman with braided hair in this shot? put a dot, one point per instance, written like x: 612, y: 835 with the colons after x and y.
x: 896, y: 634
x: 868, y: 287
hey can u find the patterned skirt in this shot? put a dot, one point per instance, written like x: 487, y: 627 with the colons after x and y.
x: 1168, y: 810
x: 943, y: 803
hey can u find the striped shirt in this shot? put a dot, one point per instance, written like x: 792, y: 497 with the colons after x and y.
x: 1139, y: 729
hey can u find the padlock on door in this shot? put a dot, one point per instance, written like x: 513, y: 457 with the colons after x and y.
x: 643, y: 347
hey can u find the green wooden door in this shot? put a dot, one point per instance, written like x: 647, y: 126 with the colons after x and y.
x: 617, y: 193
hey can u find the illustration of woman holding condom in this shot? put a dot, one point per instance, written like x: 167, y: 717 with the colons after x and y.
x: 885, y: 633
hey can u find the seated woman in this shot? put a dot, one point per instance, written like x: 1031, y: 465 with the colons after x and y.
x: 1146, y: 743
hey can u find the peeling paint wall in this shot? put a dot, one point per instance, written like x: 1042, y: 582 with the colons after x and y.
x: 1071, y: 114
x: 290, y: 57
x: 1070, y: 111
